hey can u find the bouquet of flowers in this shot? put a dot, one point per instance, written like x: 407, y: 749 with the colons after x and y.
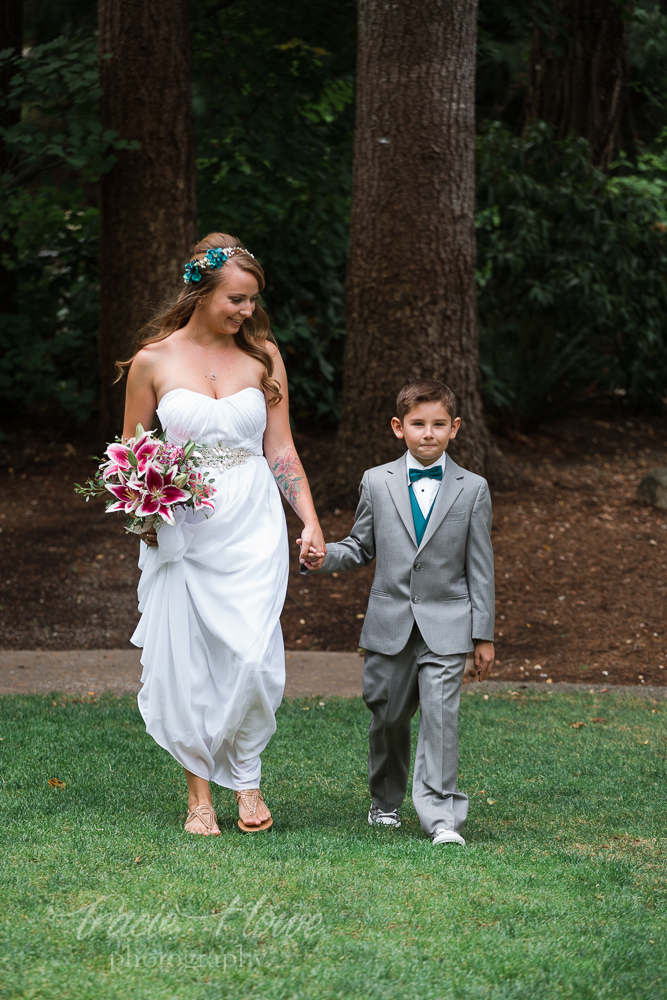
x: 148, y: 477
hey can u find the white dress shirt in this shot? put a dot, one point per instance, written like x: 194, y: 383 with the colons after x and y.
x: 425, y: 490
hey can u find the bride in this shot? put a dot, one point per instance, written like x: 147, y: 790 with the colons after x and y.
x: 212, y: 588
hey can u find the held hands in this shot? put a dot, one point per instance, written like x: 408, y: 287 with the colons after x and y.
x: 485, y: 656
x: 313, y: 548
x: 313, y: 560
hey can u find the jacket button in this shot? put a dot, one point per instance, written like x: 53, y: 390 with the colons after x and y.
x: 418, y: 566
x: 415, y: 600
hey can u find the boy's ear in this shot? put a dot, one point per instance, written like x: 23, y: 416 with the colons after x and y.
x: 455, y: 427
x: 397, y: 428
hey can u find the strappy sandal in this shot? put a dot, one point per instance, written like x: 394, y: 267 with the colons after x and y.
x: 250, y: 799
x: 207, y: 816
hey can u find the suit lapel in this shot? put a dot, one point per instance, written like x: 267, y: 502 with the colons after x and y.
x: 450, y: 487
x: 397, y: 483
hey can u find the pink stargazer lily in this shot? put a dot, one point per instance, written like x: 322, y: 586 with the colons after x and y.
x: 144, y: 449
x: 129, y: 493
x: 118, y: 460
x: 160, y: 494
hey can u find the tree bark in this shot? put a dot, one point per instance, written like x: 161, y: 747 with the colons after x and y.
x: 411, y: 309
x: 148, y: 198
x: 578, y: 72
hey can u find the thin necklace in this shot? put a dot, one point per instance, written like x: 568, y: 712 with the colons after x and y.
x: 212, y: 376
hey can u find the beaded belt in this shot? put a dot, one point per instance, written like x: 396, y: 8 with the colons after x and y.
x: 222, y: 457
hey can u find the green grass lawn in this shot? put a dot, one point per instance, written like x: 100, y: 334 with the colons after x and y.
x: 559, y: 893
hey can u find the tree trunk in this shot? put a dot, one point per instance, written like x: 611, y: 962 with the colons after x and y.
x: 148, y: 198
x: 11, y: 37
x: 578, y: 72
x: 411, y: 308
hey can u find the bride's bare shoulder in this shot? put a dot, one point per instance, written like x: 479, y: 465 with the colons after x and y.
x: 162, y: 348
x: 157, y: 351
x: 149, y: 362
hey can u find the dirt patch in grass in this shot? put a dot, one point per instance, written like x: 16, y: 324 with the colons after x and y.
x: 581, y: 567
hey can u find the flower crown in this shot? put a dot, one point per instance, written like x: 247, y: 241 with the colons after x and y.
x: 213, y: 259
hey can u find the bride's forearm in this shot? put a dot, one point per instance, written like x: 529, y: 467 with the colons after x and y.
x: 292, y: 482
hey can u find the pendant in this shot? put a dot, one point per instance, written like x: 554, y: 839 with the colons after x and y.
x: 212, y: 376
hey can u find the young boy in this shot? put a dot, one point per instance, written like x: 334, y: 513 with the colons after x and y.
x: 427, y: 522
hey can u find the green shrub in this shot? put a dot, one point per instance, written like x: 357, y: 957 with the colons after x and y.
x: 49, y: 230
x: 48, y: 350
x: 274, y: 129
x: 571, y: 275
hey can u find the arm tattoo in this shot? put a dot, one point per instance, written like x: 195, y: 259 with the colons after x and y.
x: 286, y: 469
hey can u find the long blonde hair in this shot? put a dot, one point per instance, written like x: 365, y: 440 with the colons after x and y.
x: 253, y: 332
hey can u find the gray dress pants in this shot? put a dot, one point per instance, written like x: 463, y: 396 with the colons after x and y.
x: 393, y: 688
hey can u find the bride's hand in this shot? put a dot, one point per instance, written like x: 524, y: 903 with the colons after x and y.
x: 312, y: 543
x: 149, y: 537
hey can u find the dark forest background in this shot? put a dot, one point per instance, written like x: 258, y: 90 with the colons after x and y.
x: 572, y: 282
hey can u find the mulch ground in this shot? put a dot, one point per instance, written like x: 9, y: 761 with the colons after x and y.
x: 581, y: 567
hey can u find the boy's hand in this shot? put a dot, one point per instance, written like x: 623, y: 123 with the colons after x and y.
x: 311, y: 563
x: 485, y: 656
x: 311, y: 558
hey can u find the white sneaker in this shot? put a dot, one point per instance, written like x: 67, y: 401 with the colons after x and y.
x: 378, y: 818
x: 448, y: 837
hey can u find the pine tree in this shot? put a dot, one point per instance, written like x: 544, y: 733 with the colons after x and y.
x: 411, y: 308
x: 148, y: 198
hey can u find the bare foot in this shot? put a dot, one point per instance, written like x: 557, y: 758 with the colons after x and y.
x: 202, y: 819
x: 253, y: 810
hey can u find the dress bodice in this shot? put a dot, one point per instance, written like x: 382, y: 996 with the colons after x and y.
x: 238, y: 421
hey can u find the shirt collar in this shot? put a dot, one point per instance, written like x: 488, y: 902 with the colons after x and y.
x: 412, y: 463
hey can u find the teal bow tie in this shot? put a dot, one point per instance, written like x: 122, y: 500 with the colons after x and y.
x: 434, y: 473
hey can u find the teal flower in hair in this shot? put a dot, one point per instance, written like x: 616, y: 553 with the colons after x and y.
x: 192, y: 273
x: 215, y: 258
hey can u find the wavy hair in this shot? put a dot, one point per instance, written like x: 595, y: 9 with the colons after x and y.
x: 253, y: 332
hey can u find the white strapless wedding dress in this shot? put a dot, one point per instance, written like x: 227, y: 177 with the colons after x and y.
x: 210, y: 597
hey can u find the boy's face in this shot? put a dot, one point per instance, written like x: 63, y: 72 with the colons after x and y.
x: 427, y: 429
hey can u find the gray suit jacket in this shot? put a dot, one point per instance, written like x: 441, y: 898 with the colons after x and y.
x: 445, y: 584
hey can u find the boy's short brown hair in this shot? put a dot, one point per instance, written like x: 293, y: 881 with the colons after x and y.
x: 425, y: 390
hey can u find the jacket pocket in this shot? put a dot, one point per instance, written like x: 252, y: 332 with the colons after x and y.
x: 378, y: 593
x: 459, y: 597
x: 455, y: 515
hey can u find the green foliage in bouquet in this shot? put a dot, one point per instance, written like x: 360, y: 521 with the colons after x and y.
x: 572, y: 275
